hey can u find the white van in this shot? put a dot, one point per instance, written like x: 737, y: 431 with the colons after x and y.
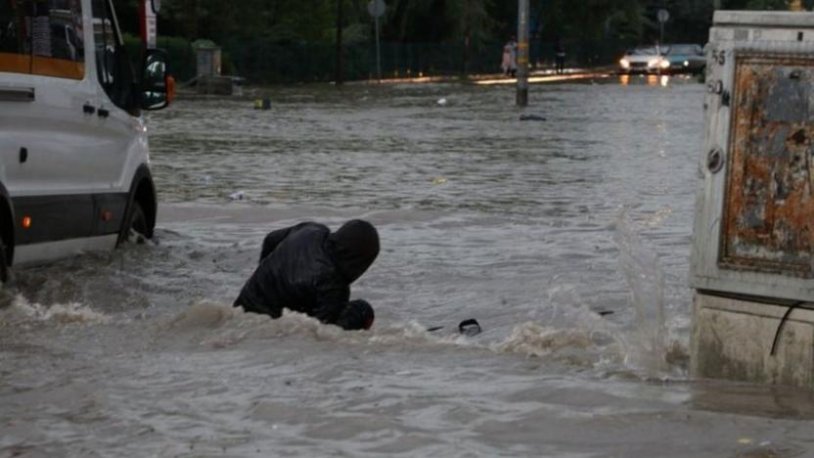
x: 74, y: 161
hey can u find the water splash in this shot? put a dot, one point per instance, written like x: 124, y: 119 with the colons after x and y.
x: 532, y: 339
x: 22, y: 312
x: 646, y: 347
x: 575, y: 335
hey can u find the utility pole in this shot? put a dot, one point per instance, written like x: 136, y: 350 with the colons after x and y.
x: 378, y: 53
x: 465, y: 70
x: 339, y: 21
x: 523, y: 53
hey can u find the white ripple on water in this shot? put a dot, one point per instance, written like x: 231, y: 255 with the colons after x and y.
x: 21, y: 312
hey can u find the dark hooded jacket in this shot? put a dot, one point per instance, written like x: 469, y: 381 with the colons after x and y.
x: 308, y: 269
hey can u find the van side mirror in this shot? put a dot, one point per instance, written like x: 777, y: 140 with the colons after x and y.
x: 157, y: 85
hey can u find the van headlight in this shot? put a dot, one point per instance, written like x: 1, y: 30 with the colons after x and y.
x: 664, y: 64
x: 653, y: 63
x: 625, y: 63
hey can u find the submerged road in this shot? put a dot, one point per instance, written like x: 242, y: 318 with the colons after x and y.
x: 533, y: 228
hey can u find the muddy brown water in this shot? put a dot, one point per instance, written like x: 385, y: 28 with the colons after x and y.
x: 532, y: 228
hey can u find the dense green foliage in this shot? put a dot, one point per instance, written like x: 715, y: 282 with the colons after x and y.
x: 263, y: 37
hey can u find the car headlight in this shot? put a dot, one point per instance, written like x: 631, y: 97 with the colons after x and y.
x: 653, y: 63
x: 624, y: 63
x: 686, y: 63
x: 664, y: 64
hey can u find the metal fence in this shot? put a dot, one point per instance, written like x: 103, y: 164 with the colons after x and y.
x: 265, y: 62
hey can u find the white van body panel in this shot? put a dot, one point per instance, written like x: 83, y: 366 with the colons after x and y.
x: 40, y: 252
x: 64, y: 166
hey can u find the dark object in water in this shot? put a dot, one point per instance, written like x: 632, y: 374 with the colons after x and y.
x: 469, y: 327
x: 435, y: 328
x: 262, y: 104
x: 605, y: 312
x: 532, y: 117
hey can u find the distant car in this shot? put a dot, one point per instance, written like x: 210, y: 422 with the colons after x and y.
x: 644, y: 59
x: 686, y: 58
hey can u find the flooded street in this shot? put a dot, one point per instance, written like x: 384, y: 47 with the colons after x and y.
x: 567, y: 239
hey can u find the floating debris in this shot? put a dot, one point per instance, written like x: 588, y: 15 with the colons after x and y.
x: 262, y: 104
x: 470, y: 327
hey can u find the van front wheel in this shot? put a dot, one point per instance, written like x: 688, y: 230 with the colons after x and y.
x: 3, y: 262
x: 137, y: 226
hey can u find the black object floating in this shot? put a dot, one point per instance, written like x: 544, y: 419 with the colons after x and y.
x: 469, y: 327
x: 532, y: 117
x: 435, y: 328
x: 605, y: 312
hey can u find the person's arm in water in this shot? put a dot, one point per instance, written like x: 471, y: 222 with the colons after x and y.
x: 331, y: 299
x: 333, y: 307
x: 274, y: 238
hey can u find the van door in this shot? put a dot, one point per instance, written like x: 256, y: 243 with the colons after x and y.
x: 119, y: 113
x: 48, y: 138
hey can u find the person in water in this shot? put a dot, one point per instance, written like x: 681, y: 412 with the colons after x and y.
x: 308, y: 269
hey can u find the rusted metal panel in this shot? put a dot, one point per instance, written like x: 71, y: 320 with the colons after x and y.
x: 751, y: 234
x: 769, y: 204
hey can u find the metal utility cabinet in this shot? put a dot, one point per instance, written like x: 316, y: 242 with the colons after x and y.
x: 753, y: 248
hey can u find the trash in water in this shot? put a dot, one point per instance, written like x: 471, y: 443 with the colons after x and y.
x: 434, y: 328
x: 239, y: 195
x: 605, y: 312
x: 262, y: 104
x: 442, y: 101
x: 439, y: 180
x: 532, y: 117
x: 469, y: 327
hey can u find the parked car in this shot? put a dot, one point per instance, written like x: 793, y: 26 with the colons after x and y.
x: 686, y: 58
x: 74, y: 160
x: 644, y: 59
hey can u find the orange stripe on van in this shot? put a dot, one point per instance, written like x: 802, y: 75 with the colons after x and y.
x: 45, y: 66
x: 61, y: 68
x: 15, y: 63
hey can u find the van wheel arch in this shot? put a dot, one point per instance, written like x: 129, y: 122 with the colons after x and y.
x: 6, y: 233
x: 142, y: 192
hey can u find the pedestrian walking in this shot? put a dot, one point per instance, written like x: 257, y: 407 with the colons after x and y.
x: 559, y: 57
x: 509, y: 61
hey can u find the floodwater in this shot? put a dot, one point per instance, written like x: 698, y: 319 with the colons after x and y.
x: 567, y: 239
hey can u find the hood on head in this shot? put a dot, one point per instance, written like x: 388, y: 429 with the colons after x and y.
x: 356, y: 316
x: 354, y: 246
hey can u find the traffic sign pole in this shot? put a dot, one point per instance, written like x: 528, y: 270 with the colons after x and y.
x: 523, y: 53
x: 663, y: 16
x: 376, y: 8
